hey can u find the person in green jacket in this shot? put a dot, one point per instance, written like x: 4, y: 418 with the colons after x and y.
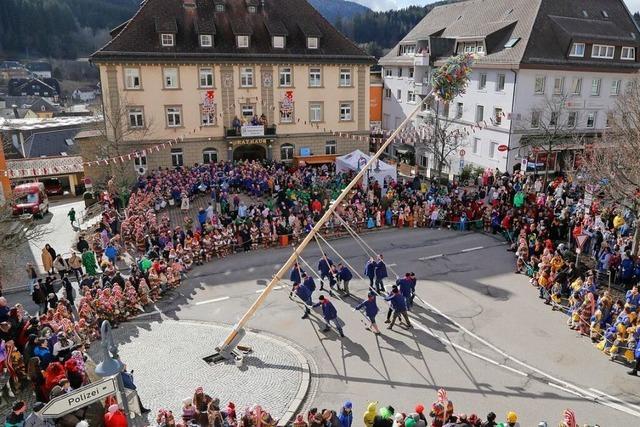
x: 89, y: 262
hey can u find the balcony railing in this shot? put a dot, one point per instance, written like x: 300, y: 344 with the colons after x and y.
x: 254, y: 131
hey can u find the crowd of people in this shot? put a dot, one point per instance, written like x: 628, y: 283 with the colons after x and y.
x: 533, y: 216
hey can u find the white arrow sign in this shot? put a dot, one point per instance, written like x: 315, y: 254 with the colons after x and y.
x: 581, y: 238
x: 80, y: 398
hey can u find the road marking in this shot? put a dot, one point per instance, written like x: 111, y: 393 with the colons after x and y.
x: 509, y: 368
x: 472, y: 249
x: 430, y: 257
x: 392, y: 265
x: 615, y: 399
x: 568, y: 390
x: 228, y: 272
x: 212, y: 300
x: 277, y: 288
x: 251, y: 269
x: 586, y: 394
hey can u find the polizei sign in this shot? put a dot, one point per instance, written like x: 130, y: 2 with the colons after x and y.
x: 80, y: 398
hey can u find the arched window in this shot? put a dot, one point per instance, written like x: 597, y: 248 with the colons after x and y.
x: 286, y: 152
x: 209, y: 155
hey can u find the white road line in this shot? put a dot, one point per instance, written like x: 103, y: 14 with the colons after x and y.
x: 568, y: 390
x: 430, y: 257
x: 277, y: 288
x: 509, y: 368
x: 615, y: 399
x: 228, y: 272
x: 472, y: 249
x: 251, y: 269
x: 392, y: 265
x: 212, y: 300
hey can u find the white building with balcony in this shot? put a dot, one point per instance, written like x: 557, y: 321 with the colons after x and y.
x: 530, y: 53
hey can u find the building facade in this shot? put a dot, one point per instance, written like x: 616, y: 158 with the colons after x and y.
x: 540, y: 64
x: 234, y: 79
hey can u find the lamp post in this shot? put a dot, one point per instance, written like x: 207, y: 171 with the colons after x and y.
x: 111, y: 364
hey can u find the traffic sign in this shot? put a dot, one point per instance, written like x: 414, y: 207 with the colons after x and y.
x: 461, y: 163
x: 462, y: 153
x: 581, y: 238
x: 80, y: 398
x: 503, y: 147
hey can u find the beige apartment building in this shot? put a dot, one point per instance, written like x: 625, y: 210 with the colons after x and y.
x: 234, y: 79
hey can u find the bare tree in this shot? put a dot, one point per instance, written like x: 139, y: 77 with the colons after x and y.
x: 550, y: 129
x: 440, y: 137
x: 120, y: 129
x: 611, y: 164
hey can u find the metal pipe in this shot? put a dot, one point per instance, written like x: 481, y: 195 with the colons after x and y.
x: 318, y: 226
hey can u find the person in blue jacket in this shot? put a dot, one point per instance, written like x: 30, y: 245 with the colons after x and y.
x: 633, y: 298
x: 370, y: 271
x: 304, y: 293
x: 399, y: 306
x: 330, y: 314
x: 405, y: 285
x: 414, y: 282
x: 346, y: 416
x: 344, y: 277
x: 636, y: 367
x: 308, y: 282
x: 324, y: 267
x: 370, y: 310
x: 381, y: 273
x: 626, y: 269
x: 295, y: 276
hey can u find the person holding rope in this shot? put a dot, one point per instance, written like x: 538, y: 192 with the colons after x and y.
x: 381, y: 273
x: 407, y: 289
x: 399, y: 307
x: 304, y: 293
x: 344, y: 276
x: 330, y: 314
x: 324, y: 268
x: 295, y: 276
x: 370, y: 271
x: 370, y: 310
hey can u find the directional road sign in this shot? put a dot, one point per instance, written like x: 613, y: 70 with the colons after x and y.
x: 80, y: 398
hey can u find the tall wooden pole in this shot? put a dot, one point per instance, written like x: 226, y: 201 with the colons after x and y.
x: 233, y: 337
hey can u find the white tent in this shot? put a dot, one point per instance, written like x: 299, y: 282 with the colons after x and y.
x: 356, y: 160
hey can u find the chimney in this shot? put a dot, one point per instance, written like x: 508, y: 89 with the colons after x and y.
x: 190, y: 12
x: 189, y: 4
x: 15, y: 111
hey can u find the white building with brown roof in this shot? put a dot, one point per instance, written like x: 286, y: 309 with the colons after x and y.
x: 529, y: 53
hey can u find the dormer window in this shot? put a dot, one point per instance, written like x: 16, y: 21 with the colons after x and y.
x: 602, y: 51
x: 312, y: 43
x: 206, y: 40
x: 220, y: 7
x: 252, y: 9
x: 278, y: 42
x: 167, y: 40
x: 243, y: 41
x: 577, y: 50
x: 628, y: 53
x: 512, y: 42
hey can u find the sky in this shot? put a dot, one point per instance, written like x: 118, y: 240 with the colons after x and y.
x: 634, y: 5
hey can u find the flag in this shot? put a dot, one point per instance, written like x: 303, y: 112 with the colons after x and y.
x: 569, y: 418
x: 442, y: 396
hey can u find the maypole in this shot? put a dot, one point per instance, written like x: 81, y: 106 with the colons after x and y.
x: 448, y: 81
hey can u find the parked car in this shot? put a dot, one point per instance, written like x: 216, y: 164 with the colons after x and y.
x: 53, y: 187
x: 30, y: 198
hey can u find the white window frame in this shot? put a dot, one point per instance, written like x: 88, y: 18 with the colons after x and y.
x: 628, y: 53
x: 136, y: 113
x: 207, y: 153
x: 177, y: 157
x: 220, y: 7
x: 316, y: 113
x: 206, y: 76
x: 411, y: 96
x: 171, y: 112
x: 603, y: 51
x: 206, y: 40
x: 493, y: 149
x: 387, y: 93
x: 558, y: 89
x: 287, y: 151
x: 497, y: 116
x: 475, y: 145
x: 577, y: 50
x: 500, y: 82
x: 208, y: 119
x: 167, y: 39
x: 535, y: 119
x: 330, y: 148
x: 346, y: 79
x: 459, y: 110
x: 171, y: 78
x: 412, y: 72
x: 278, y: 42
x: 538, y: 89
x: 313, y: 42
x: 576, y: 86
x: 313, y: 73
x: 572, y: 123
x: 595, y: 86
x: 482, y: 81
x: 592, y: 116
x: 285, y: 77
x: 615, y: 87
x: 399, y: 95
x: 345, y: 111
x: 247, y: 108
x: 479, y: 117
x: 286, y: 117
x: 247, y: 77
x: 140, y: 161
x: 242, y: 41
x: 388, y: 72
x: 130, y: 76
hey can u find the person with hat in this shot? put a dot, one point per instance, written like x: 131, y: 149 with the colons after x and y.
x: 35, y: 419
x: 370, y: 414
x: 115, y: 417
x: 370, y: 310
x: 346, y: 416
x: 512, y: 419
x: 304, y: 293
x: 399, y: 307
x: 299, y: 421
x: 330, y: 314
x: 344, y: 276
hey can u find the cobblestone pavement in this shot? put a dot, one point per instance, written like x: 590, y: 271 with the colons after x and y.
x: 167, y: 360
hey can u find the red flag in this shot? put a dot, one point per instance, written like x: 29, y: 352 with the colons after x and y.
x: 442, y: 395
x: 569, y: 418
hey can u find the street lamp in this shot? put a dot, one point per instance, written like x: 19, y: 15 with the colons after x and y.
x: 111, y: 364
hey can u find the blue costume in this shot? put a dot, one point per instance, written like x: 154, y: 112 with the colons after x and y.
x: 370, y: 308
x: 381, y: 273
x: 330, y: 314
x: 324, y: 267
x: 345, y: 276
x: 370, y: 271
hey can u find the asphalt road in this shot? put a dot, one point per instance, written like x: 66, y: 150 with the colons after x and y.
x: 480, y: 332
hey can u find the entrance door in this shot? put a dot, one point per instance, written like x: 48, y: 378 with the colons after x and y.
x: 250, y: 152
